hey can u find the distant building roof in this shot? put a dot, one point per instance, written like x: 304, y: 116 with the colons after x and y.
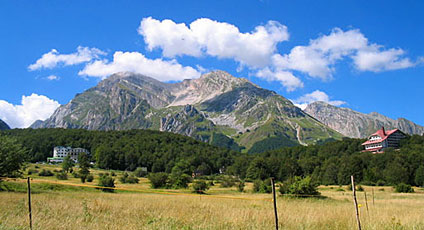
x: 382, y: 133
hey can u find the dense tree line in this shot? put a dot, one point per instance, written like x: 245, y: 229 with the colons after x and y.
x: 334, y: 162
x: 127, y: 150
x: 327, y: 163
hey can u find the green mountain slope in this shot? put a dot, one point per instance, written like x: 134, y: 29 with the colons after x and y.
x: 216, y: 108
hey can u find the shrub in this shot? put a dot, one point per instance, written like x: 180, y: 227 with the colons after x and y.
x: 32, y: 171
x: 128, y: 179
x: 75, y: 174
x: 381, y: 183
x: 262, y: 186
x: 300, y: 187
x: 113, y: 174
x: 227, y: 182
x: 83, y: 177
x: 90, y: 178
x: 140, y: 172
x: 106, y: 181
x: 404, y: 188
x: 240, y: 186
x: 210, y: 183
x: 257, y: 185
x: 180, y: 180
x: 158, y: 180
x: 62, y: 176
x: 200, y: 186
x: 45, y: 172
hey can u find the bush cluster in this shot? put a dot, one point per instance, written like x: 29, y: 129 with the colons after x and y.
x: 62, y: 175
x: 404, y: 188
x: 200, y: 186
x: 299, y: 187
x: 262, y: 186
x: 107, y: 181
x: 128, y: 179
x: 45, y: 172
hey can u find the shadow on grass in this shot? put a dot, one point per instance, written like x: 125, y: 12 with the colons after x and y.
x: 11, y: 186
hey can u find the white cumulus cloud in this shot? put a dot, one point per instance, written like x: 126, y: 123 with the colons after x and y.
x: 375, y: 60
x: 162, y: 70
x: 32, y: 108
x: 317, y: 95
x: 219, y: 39
x: 318, y: 58
x: 286, y: 78
x: 53, y: 58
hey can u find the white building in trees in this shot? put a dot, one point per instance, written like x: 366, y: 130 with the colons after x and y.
x: 60, y: 152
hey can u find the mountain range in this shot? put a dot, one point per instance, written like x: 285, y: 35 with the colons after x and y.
x: 216, y: 108
x: 3, y: 125
x: 358, y: 125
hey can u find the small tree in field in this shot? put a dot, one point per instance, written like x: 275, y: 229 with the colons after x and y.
x: 158, y: 180
x: 84, y: 165
x: 107, y: 181
x: 67, y: 164
x: 240, y: 186
x: 200, y: 186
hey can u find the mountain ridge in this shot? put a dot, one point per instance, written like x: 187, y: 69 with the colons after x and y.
x: 214, y: 105
x: 355, y: 124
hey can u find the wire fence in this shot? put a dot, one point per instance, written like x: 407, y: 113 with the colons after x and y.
x: 137, y: 190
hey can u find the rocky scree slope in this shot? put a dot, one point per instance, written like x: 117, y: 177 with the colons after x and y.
x: 358, y: 125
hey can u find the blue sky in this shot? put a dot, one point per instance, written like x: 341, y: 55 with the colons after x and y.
x: 365, y: 55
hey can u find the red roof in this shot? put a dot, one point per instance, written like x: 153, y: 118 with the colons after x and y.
x: 382, y: 133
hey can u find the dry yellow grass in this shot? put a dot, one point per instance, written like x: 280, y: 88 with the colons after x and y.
x: 98, y: 210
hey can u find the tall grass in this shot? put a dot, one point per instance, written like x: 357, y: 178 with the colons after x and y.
x: 96, y: 210
x: 66, y: 207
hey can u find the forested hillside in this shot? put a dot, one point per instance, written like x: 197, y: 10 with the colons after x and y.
x: 329, y: 163
x: 126, y: 150
x: 334, y: 162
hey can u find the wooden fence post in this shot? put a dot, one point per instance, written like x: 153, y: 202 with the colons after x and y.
x: 29, y: 203
x: 366, y: 200
x: 355, y: 202
x: 275, y: 203
x: 373, y: 196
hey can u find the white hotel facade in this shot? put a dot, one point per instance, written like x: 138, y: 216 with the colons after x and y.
x: 60, y: 152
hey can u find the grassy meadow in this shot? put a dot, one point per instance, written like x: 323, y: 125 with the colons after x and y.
x: 57, y: 206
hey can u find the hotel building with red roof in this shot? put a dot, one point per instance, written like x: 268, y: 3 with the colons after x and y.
x: 381, y: 139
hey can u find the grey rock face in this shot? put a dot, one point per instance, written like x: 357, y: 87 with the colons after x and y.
x: 214, y: 103
x: 358, y: 125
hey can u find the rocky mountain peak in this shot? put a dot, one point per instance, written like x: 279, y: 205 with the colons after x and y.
x: 209, y: 85
x: 216, y: 108
x: 355, y: 124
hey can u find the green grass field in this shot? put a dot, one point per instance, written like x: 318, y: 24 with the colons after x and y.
x: 58, y: 206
